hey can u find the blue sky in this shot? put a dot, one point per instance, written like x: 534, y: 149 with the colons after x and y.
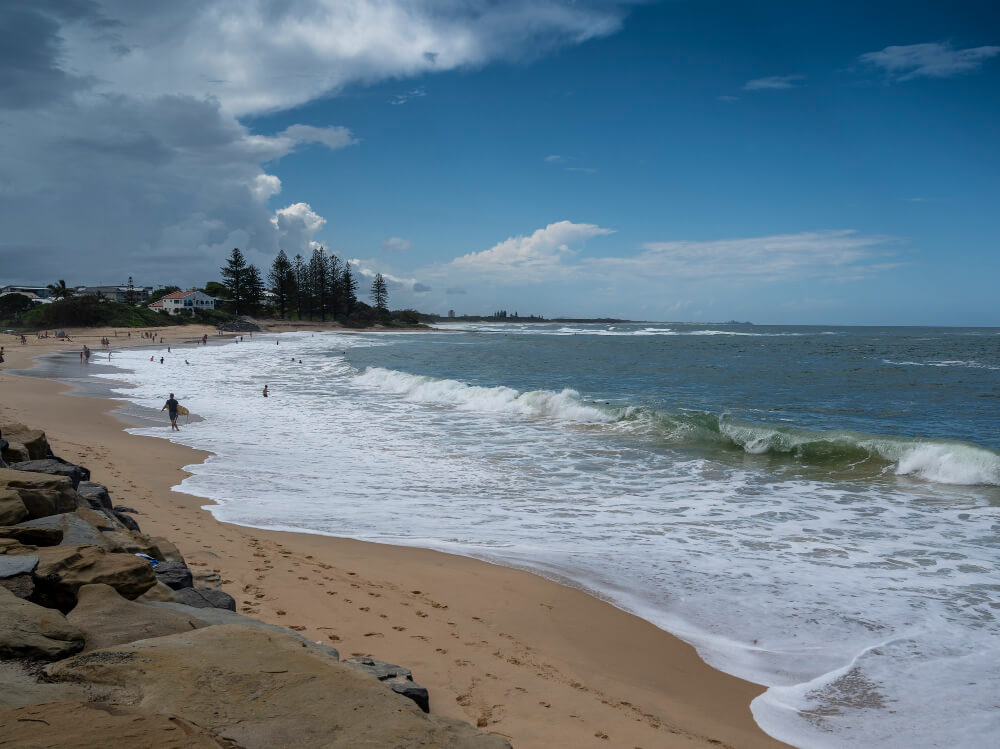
x: 778, y: 162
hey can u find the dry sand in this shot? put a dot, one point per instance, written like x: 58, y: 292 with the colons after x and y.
x: 540, y: 663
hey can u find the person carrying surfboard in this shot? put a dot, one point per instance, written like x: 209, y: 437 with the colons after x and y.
x: 173, y: 406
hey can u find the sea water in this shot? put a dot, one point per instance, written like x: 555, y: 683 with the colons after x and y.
x: 815, y: 509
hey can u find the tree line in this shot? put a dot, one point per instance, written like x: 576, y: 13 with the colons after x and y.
x: 324, y: 286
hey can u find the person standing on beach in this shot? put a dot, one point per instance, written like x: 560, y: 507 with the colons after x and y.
x: 265, y: 391
x: 171, y: 405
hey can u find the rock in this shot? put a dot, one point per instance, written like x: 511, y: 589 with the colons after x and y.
x: 74, y: 528
x: 222, y: 617
x: 41, y: 493
x: 92, y: 725
x: 96, y: 494
x: 123, y: 508
x: 54, y: 467
x: 31, y: 631
x: 13, y: 546
x: 397, y: 678
x: 62, y: 570
x: 32, y: 536
x: 23, y: 564
x: 19, y: 686
x: 175, y: 575
x: 207, y: 579
x: 166, y: 551
x: 107, y: 619
x: 3, y: 447
x: 127, y: 521
x: 263, y: 689
x: 12, y: 509
x: 24, y: 443
x: 159, y: 593
x: 205, y: 598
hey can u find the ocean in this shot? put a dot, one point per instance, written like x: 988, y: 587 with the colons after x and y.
x: 815, y: 509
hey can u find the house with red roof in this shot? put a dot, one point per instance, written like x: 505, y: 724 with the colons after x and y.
x: 183, y: 302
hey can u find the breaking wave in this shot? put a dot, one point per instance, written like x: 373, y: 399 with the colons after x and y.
x: 937, y: 461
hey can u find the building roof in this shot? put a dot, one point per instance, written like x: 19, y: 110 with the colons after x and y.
x: 178, y: 294
x: 157, y: 303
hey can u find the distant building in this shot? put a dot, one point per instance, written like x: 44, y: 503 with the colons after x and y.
x: 451, y: 313
x: 115, y: 293
x: 32, y: 292
x: 182, y: 301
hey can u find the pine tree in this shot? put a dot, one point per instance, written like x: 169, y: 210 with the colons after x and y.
x: 319, y: 274
x: 281, y: 280
x: 333, y: 271
x: 234, y: 276
x: 380, y: 293
x: 350, y: 289
x: 254, y: 289
x: 301, y: 272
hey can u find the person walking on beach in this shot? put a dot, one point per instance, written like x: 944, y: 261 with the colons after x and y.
x: 265, y: 391
x: 172, y: 405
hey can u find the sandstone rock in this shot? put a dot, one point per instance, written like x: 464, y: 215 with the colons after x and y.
x: 92, y: 725
x: 22, y: 586
x: 31, y: 441
x: 41, y: 493
x: 159, y: 593
x: 19, y: 686
x: 175, y: 575
x: 96, y: 494
x: 31, y: 631
x: 63, y: 569
x: 207, y: 578
x: 54, y: 467
x: 127, y: 521
x: 32, y: 536
x: 15, y: 452
x: 263, y: 689
x: 205, y: 598
x: 13, y: 546
x: 107, y: 619
x: 12, y: 509
x: 166, y: 550
x: 397, y: 678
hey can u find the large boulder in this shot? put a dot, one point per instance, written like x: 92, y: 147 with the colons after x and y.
x: 62, y: 570
x: 19, y: 564
x: 166, y: 550
x: 263, y: 689
x: 92, y: 725
x: 31, y: 631
x: 75, y: 530
x: 24, y: 443
x: 174, y: 575
x: 159, y: 593
x: 32, y: 536
x: 205, y: 598
x: 54, y: 467
x: 107, y: 619
x: 42, y: 493
x: 12, y: 508
x: 97, y: 495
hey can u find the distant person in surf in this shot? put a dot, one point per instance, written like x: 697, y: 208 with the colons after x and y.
x: 265, y: 391
x: 171, y: 407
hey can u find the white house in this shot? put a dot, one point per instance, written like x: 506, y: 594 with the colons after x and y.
x: 182, y: 301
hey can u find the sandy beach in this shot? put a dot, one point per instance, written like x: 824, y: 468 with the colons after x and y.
x: 515, y: 654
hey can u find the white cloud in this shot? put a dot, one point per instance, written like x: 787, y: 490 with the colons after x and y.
x: 416, y: 93
x: 774, y: 83
x: 332, y: 137
x: 396, y: 244
x: 554, y: 159
x: 931, y: 60
x: 264, y: 186
x: 827, y: 255
x: 530, y: 258
x: 297, y: 225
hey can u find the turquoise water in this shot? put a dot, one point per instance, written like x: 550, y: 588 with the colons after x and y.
x: 815, y: 509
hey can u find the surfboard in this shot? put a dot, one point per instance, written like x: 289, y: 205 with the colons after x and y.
x: 182, y: 411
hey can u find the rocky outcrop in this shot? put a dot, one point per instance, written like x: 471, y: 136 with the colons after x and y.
x: 32, y: 536
x: 174, y: 575
x: 263, y: 689
x: 205, y: 598
x: 31, y: 631
x: 106, y: 619
x: 63, y: 570
x: 12, y: 508
x: 54, y: 467
x: 75, y: 530
x: 89, y: 725
x: 96, y: 494
x: 24, y: 443
x: 41, y: 493
x: 397, y: 678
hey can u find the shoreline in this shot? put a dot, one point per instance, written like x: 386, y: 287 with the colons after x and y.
x: 515, y: 653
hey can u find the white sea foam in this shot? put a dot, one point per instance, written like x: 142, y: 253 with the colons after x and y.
x: 868, y: 610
